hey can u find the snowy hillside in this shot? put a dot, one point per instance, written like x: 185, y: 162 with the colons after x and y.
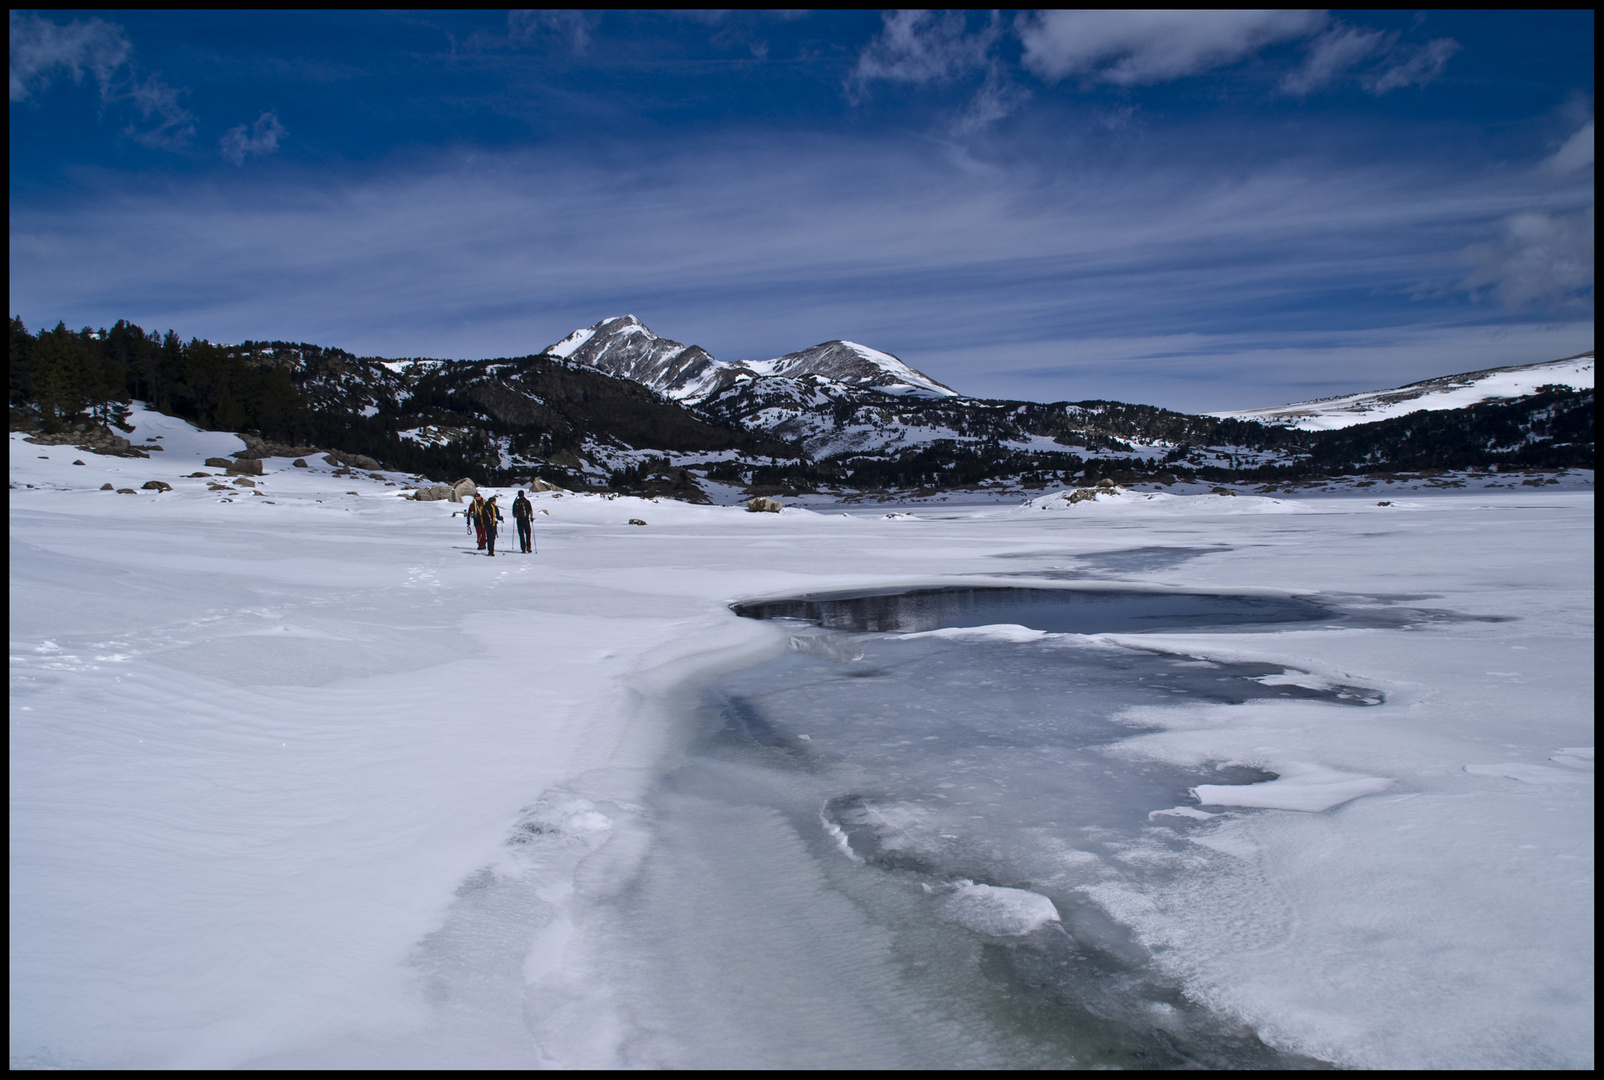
x: 623, y: 347
x: 301, y: 779
x: 1446, y: 392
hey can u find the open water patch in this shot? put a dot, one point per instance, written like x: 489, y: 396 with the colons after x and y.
x: 1052, y: 610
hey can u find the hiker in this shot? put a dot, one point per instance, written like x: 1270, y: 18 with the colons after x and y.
x: 476, y: 511
x: 524, y: 514
x: 489, y: 515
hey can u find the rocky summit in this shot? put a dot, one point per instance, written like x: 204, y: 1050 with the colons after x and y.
x: 622, y: 346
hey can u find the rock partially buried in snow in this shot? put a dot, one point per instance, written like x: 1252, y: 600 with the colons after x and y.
x: 106, y: 487
x: 433, y: 493
x: 156, y: 485
x: 300, y: 463
x: 251, y: 466
x: 463, y: 489
x: 636, y: 521
x: 537, y: 484
x: 762, y: 504
x: 998, y: 911
x: 350, y: 461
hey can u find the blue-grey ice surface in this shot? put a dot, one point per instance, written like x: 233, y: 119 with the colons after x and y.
x: 906, y: 818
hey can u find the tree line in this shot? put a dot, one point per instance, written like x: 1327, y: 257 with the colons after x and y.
x: 62, y: 378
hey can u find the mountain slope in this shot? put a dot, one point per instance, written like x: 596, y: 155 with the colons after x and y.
x: 1445, y: 392
x: 622, y: 346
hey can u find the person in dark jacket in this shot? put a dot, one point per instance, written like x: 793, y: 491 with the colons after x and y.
x: 524, y: 514
x: 490, y: 517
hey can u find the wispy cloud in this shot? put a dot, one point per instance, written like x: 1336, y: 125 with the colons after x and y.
x: 1130, y: 48
x: 1412, y: 67
x: 1333, y: 53
x: 887, y: 242
x: 1575, y: 155
x: 1377, y: 60
x: 573, y: 27
x: 166, y: 123
x: 41, y: 50
x: 261, y: 138
x: 938, y: 47
x: 1542, y: 259
x: 926, y: 46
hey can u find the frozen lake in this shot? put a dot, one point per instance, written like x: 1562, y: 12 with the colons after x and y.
x: 929, y: 788
x: 298, y: 778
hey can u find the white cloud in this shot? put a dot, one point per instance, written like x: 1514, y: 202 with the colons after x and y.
x: 262, y: 138
x: 936, y: 47
x: 1134, y: 47
x: 1576, y: 155
x: 41, y: 49
x: 996, y: 98
x: 168, y: 125
x: 752, y: 248
x: 1333, y: 53
x: 1416, y: 68
x: 926, y: 46
x: 1542, y: 259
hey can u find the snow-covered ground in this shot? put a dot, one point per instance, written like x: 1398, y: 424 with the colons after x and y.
x: 300, y: 778
x: 1447, y: 392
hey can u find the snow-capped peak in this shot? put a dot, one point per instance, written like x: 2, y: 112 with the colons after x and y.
x: 622, y: 346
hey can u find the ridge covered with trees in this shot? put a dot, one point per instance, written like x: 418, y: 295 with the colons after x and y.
x: 503, y: 419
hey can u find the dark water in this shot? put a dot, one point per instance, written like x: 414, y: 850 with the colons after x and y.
x: 1058, y: 611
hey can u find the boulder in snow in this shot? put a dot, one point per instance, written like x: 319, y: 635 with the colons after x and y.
x: 156, y: 485
x: 762, y: 504
x: 350, y: 461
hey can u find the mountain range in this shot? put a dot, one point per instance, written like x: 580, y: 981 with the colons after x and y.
x: 614, y: 406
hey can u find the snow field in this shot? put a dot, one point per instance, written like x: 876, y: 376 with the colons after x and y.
x: 314, y: 783
x: 1339, y: 412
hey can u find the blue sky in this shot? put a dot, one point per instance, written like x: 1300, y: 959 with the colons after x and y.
x: 1197, y: 210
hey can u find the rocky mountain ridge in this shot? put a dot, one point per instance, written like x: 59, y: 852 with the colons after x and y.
x: 622, y: 346
x: 837, y: 419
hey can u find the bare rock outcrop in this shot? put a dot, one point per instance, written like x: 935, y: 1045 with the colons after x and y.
x: 351, y: 461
